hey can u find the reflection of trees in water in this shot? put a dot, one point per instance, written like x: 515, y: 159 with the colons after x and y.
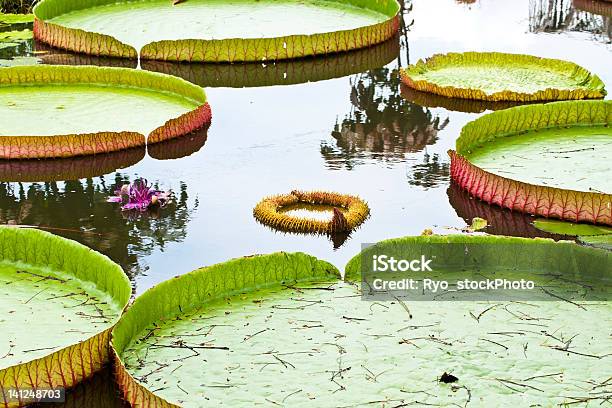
x: 564, y: 15
x: 382, y: 125
x: 78, y: 210
x: 431, y: 173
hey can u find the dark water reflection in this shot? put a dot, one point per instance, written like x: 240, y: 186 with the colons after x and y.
x: 381, y: 125
x: 77, y: 209
x: 501, y: 221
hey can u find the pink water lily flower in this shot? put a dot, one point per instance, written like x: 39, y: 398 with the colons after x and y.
x: 139, y: 196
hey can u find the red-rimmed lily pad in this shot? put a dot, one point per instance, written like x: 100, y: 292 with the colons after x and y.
x: 59, y: 301
x: 95, y: 165
x: 548, y: 160
x: 205, y: 30
x: 59, y: 111
x: 493, y: 76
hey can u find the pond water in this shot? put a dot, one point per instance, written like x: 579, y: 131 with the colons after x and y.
x: 350, y: 131
x: 353, y: 134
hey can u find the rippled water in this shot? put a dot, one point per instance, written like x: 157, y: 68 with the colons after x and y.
x: 349, y: 130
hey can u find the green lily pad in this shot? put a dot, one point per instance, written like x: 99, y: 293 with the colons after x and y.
x: 494, y: 76
x: 283, y: 329
x: 67, y: 111
x: 594, y: 235
x: 545, y: 159
x: 572, y: 158
x: 205, y: 30
x: 478, y: 224
x: 59, y: 300
x: 598, y: 241
x: 568, y: 228
x: 16, y: 18
x: 15, y: 35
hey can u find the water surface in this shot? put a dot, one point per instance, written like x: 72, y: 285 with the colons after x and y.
x: 354, y: 134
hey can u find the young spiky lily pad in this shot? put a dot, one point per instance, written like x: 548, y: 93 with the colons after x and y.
x: 215, y: 30
x: 494, y: 76
x: 59, y: 111
x: 58, y: 301
x: 546, y: 160
x: 348, y: 212
x: 284, y: 328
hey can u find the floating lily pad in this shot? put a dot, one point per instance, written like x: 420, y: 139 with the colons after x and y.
x: 546, y: 160
x: 593, y: 235
x: 70, y: 111
x: 15, y: 35
x: 59, y: 301
x: 95, y: 165
x: 598, y: 241
x: 184, y: 299
x: 493, y: 76
x: 215, y: 30
x: 16, y: 18
x: 568, y: 228
x: 283, y: 328
x: 245, y: 75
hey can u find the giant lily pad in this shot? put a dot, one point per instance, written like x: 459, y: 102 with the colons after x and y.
x: 493, y: 76
x: 59, y: 301
x: 95, y: 165
x: 184, y: 300
x: 217, y: 30
x: 546, y: 160
x: 288, y: 72
x: 71, y: 111
x: 16, y: 18
x: 282, y: 329
x: 254, y: 74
